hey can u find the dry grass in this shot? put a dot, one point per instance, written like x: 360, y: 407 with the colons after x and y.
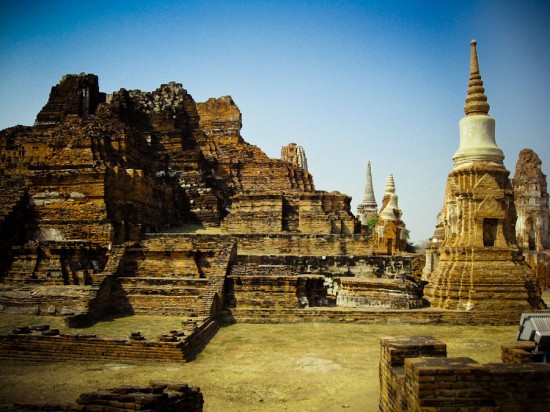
x: 304, y: 366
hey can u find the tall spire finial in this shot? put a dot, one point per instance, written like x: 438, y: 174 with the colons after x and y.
x: 390, y: 185
x: 369, y: 190
x: 368, y: 207
x: 476, y: 100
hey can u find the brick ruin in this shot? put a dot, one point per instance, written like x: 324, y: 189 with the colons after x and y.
x: 98, y: 194
x: 532, y: 225
x: 417, y: 375
x: 479, y: 265
x: 150, y: 203
x: 531, y: 202
x: 40, y: 343
x: 159, y: 396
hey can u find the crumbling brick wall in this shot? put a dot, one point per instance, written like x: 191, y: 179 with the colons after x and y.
x: 416, y: 375
x: 37, y: 344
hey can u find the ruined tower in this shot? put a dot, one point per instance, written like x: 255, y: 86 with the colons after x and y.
x: 76, y: 94
x: 480, y: 266
x: 292, y: 153
x: 368, y: 207
x: 531, y: 201
x: 533, y: 226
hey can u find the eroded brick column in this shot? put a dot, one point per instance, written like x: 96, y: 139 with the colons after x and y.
x: 394, y: 351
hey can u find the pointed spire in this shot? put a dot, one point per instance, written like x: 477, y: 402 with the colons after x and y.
x: 368, y: 207
x: 369, y: 199
x: 477, y: 128
x: 476, y: 100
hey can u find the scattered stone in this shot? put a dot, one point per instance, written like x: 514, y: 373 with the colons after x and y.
x: 66, y: 311
x: 136, y: 336
x: 21, y: 330
x: 40, y: 328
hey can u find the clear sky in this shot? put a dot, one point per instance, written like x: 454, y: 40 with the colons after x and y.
x: 350, y: 81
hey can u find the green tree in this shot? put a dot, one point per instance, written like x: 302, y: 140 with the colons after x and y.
x: 371, y: 222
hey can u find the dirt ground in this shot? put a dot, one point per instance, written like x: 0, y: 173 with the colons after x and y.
x: 299, y: 367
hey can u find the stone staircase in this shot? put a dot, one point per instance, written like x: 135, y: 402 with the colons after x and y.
x: 171, y: 276
x: 159, y: 296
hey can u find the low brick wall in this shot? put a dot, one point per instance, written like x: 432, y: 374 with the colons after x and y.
x: 426, y: 316
x: 416, y: 375
x: 159, y: 396
x: 304, y: 244
x: 518, y: 353
x: 284, y: 244
x: 278, y: 281
x: 35, y: 346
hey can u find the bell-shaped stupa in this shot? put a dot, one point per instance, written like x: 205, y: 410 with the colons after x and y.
x: 390, y: 234
x: 479, y: 266
x: 477, y: 128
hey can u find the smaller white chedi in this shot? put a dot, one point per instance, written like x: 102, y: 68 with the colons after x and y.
x: 390, y: 211
x: 390, y: 230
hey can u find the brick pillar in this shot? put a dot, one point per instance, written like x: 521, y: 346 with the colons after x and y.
x: 392, y: 361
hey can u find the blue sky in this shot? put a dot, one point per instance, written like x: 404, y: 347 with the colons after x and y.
x: 350, y: 81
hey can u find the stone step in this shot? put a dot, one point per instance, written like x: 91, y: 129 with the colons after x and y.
x: 165, y: 311
x: 172, y: 291
x: 198, y: 282
x: 159, y: 301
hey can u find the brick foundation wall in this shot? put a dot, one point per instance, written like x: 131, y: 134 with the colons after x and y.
x: 518, y: 353
x: 367, y: 316
x: 416, y: 375
x: 284, y: 244
x: 279, y: 281
x: 34, y: 346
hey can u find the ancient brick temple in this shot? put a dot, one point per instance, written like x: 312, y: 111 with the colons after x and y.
x: 416, y: 375
x: 480, y: 266
x: 101, y: 200
x: 531, y: 201
x: 151, y: 203
x: 532, y: 225
x: 110, y: 172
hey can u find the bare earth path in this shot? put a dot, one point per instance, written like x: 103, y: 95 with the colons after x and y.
x: 303, y: 366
